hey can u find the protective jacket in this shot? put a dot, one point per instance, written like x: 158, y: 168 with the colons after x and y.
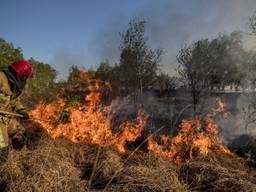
x: 9, y: 101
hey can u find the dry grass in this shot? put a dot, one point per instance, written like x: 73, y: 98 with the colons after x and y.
x: 218, y: 174
x: 56, y: 165
x: 204, y: 177
x: 47, y: 168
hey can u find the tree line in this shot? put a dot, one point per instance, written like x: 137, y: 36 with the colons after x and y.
x: 205, y: 66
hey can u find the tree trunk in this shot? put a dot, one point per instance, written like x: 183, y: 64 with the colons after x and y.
x: 141, y: 88
x: 246, y: 128
x: 195, y: 101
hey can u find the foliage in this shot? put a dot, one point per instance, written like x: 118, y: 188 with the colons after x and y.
x: 74, y: 74
x: 8, y: 53
x: 166, y: 82
x: 139, y: 63
x: 207, y: 65
x: 109, y: 73
x: 42, y: 86
x: 104, y: 71
x: 73, y: 89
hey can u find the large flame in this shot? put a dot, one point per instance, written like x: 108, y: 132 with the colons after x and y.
x: 91, y: 123
x: 196, y: 136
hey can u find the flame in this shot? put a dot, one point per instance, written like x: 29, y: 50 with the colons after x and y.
x: 196, y: 137
x: 89, y: 123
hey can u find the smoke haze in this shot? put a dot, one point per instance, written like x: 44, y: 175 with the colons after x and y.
x: 172, y: 24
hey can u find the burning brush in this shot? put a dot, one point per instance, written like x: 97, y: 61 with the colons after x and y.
x: 197, y: 136
x: 91, y: 123
x: 88, y: 123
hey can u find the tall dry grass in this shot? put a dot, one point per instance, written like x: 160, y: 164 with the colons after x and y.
x: 51, y: 165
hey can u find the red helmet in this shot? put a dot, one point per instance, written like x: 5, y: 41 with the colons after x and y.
x: 22, y: 68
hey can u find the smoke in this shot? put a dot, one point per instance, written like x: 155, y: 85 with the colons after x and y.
x: 161, y: 111
x: 106, y: 43
x: 63, y: 59
x: 172, y: 24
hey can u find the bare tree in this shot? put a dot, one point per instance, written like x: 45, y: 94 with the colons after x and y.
x: 193, y: 69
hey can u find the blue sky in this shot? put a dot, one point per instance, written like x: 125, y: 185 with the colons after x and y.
x: 85, y: 32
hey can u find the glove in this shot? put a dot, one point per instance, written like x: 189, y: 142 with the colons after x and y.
x: 24, y: 114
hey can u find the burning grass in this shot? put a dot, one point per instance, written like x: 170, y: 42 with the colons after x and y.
x: 91, y: 123
x: 58, y: 165
x: 79, y: 151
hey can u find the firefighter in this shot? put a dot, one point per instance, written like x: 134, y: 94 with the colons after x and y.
x: 12, y: 83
